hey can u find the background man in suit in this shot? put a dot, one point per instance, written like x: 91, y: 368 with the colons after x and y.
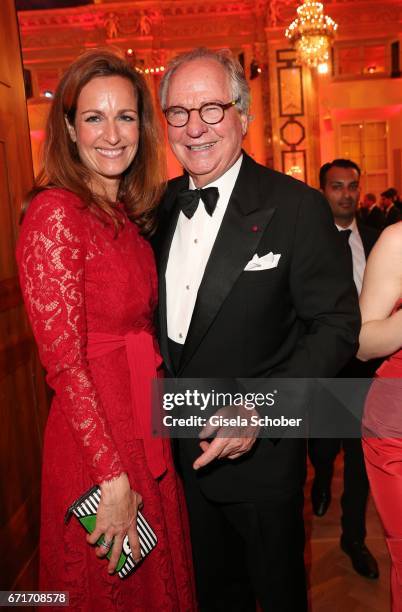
x: 294, y: 317
x: 372, y: 215
x: 391, y: 212
x: 397, y: 200
x: 339, y: 182
x: 365, y: 205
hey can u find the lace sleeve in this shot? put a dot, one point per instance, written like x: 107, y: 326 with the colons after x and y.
x: 51, y: 258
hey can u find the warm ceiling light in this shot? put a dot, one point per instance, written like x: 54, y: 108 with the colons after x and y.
x: 311, y: 33
x: 323, y: 68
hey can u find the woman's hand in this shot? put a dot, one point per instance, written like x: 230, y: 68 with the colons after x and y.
x: 116, y: 518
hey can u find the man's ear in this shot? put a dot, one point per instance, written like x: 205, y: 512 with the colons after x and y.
x: 244, y: 119
x: 71, y: 129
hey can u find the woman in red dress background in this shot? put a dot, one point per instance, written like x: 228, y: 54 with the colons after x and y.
x: 89, y: 283
x: 381, y: 335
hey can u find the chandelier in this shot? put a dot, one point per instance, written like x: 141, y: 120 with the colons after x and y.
x: 311, y: 34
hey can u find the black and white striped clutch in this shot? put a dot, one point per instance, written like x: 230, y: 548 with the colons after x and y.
x: 85, y: 509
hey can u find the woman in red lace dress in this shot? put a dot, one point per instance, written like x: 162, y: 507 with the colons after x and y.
x: 381, y: 335
x: 89, y: 283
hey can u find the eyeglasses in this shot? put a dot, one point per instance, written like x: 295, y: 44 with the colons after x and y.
x: 211, y: 113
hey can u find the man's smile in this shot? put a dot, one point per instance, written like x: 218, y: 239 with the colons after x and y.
x: 201, y: 147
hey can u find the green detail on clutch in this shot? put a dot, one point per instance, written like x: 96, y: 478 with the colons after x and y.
x: 89, y: 522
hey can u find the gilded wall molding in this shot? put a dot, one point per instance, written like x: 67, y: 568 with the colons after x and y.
x: 141, y: 15
x: 148, y: 23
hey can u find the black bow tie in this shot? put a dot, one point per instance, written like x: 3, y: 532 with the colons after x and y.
x: 188, y: 200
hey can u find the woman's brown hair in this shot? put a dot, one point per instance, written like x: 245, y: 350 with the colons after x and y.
x: 143, y: 182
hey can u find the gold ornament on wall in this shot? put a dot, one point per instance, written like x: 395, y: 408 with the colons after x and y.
x: 111, y: 24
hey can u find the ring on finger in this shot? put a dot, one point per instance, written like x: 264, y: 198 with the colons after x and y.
x: 105, y: 544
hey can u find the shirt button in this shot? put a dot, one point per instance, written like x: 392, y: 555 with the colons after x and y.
x: 195, y: 240
x: 187, y: 287
x: 180, y: 335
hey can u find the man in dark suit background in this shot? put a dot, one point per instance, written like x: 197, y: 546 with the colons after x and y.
x: 254, y: 285
x: 340, y: 184
x: 364, y: 207
x: 370, y: 213
x: 392, y: 213
x: 396, y: 199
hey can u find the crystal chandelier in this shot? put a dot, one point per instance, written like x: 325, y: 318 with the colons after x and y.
x: 311, y: 33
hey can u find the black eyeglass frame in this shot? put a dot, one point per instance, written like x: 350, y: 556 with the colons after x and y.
x: 223, y: 107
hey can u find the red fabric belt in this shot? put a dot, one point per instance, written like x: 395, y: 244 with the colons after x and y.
x: 143, y: 361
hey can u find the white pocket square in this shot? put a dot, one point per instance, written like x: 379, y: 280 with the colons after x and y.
x: 266, y: 262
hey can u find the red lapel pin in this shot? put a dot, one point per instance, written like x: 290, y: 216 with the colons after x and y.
x: 255, y: 228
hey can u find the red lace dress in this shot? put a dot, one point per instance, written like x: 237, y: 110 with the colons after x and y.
x: 78, y: 279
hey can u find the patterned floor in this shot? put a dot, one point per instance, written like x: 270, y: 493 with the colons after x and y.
x: 334, y: 585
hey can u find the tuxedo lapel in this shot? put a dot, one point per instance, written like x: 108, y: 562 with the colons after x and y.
x: 237, y: 241
x: 167, y: 226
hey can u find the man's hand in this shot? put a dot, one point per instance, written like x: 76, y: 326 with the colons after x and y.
x: 231, y: 441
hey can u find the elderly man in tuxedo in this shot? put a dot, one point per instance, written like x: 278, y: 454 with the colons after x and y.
x: 223, y: 315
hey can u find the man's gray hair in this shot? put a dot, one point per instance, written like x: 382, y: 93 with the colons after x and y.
x: 239, y: 85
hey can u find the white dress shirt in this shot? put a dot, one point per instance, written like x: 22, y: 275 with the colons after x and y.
x: 189, y: 253
x: 358, y: 255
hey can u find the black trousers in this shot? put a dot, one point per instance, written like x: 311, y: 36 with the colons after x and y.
x: 322, y: 453
x: 246, y: 552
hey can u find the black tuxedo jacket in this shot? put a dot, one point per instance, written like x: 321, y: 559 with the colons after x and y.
x: 375, y: 218
x: 369, y: 236
x: 300, y: 319
x: 393, y: 215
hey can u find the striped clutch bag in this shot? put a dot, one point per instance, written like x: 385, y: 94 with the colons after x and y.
x: 85, y: 509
